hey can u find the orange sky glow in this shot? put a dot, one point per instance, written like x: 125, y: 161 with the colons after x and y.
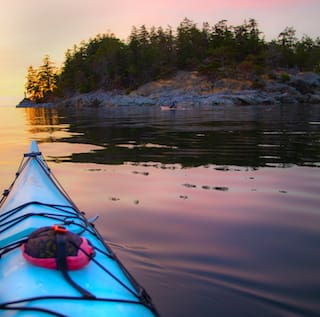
x: 30, y: 29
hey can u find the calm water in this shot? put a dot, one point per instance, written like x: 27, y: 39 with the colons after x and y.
x: 214, y: 211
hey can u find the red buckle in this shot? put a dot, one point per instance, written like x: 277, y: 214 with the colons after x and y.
x: 60, y: 229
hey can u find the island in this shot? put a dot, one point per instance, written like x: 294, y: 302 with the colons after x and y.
x: 189, y: 66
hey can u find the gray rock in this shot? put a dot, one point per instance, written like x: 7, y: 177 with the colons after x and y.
x: 191, y: 89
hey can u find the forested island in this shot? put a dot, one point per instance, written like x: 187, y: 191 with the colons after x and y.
x: 209, y: 65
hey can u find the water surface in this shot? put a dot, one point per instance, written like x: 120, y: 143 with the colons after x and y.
x: 215, y: 211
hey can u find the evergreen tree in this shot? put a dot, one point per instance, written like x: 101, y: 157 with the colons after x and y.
x: 31, y: 85
x: 287, y: 41
x: 47, y: 78
x: 41, y: 82
x: 191, y: 45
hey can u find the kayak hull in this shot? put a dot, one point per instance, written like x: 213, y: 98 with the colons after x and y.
x: 36, y: 200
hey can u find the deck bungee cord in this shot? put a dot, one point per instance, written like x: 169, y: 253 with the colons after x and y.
x: 10, y: 305
x: 66, y: 218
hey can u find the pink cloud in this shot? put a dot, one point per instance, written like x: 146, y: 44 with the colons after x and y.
x: 255, y: 3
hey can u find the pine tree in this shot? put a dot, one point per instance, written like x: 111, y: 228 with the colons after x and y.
x: 41, y: 82
x: 31, y: 85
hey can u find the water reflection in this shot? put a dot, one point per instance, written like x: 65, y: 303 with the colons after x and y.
x: 249, y: 249
x: 42, y: 116
x: 233, y: 235
x: 276, y: 136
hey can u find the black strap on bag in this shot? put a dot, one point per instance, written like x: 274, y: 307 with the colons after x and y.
x: 61, y: 260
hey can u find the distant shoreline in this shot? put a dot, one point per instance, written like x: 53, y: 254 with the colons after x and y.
x: 192, y: 89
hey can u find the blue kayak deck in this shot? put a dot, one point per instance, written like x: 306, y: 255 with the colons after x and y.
x: 36, y: 200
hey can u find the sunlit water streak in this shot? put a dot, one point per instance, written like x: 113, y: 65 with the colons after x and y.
x: 215, y: 211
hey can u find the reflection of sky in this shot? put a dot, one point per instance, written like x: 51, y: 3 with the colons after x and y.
x: 13, y: 136
x: 265, y: 195
x: 258, y: 237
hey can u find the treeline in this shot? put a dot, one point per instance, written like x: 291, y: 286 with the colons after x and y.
x: 105, y: 62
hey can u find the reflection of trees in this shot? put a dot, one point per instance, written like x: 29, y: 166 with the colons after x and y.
x: 256, y: 138
x: 44, y: 120
x: 42, y: 116
x: 240, y: 148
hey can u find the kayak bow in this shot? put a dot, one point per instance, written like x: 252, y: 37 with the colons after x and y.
x: 103, y: 287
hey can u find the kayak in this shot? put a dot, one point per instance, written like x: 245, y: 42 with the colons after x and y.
x: 53, y: 261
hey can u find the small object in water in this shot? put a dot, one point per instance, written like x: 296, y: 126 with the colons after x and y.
x: 114, y: 198
x: 173, y: 106
x: 221, y: 188
x: 189, y: 185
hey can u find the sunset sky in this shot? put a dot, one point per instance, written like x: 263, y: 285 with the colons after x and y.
x: 30, y: 29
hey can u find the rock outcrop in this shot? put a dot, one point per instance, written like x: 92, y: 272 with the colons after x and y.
x: 193, y: 89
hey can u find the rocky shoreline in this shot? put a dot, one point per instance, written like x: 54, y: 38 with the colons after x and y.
x: 192, y: 89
